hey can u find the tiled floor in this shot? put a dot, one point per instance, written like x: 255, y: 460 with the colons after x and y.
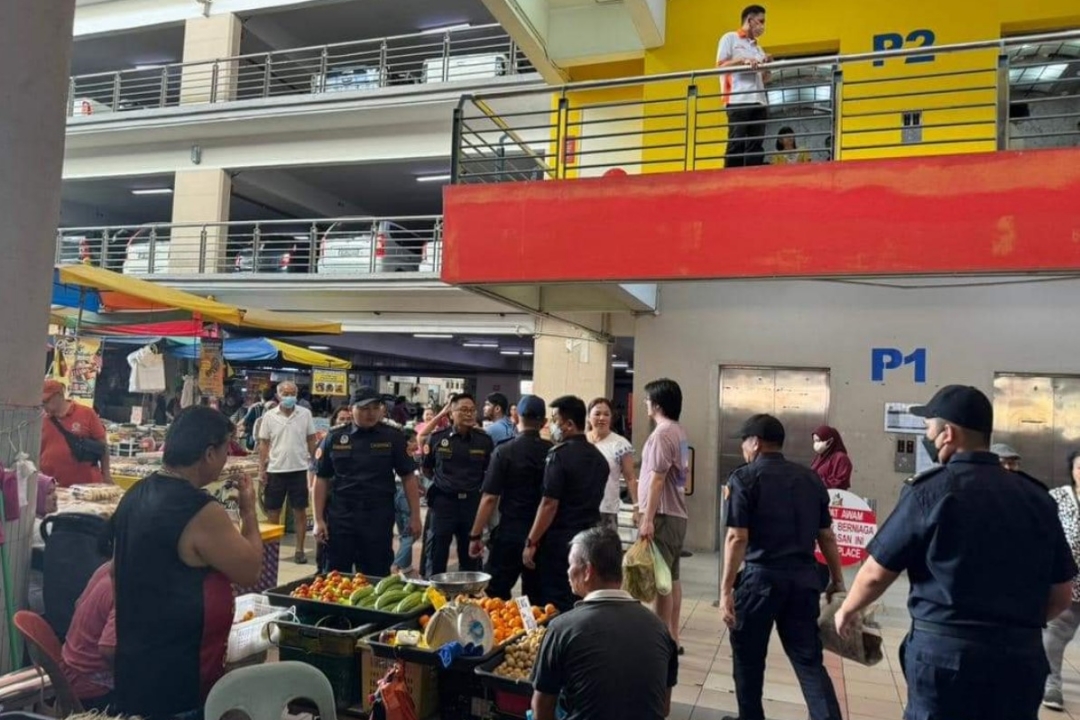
x: 706, y: 690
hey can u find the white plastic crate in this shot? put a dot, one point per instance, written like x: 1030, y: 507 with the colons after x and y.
x: 249, y: 637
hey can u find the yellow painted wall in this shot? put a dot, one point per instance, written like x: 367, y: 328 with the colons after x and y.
x: 810, y: 27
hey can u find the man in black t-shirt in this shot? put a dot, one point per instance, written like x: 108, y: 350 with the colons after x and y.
x: 610, y: 658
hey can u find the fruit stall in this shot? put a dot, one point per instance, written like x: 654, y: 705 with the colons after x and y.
x: 460, y: 653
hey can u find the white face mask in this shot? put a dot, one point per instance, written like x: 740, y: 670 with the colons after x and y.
x: 821, y: 446
x: 556, y: 432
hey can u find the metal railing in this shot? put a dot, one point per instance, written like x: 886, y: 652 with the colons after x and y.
x: 422, y: 59
x: 330, y: 248
x: 1013, y: 93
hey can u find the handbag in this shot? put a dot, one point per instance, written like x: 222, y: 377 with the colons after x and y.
x: 84, y: 449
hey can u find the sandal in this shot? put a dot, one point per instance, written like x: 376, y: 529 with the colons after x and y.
x: 300, y: 558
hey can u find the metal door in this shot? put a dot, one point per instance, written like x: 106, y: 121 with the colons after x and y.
x: 798, y: 397
x: 1040, y: 417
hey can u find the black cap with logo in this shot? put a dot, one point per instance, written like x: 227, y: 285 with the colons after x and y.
x: 961, y: 405
x: 365, y: 396
x: 764, y: 427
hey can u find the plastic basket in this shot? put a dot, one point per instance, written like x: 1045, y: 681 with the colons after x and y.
x: 251, y: 637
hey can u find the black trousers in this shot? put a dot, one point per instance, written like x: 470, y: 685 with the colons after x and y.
x: 452, y: 516
x: 425, y: 545
x: 552, y: 564
x: 746, y: 128
x: 788, y: 599
x: 951, y: 678
x: 505, y: 566
x: 362, y: 537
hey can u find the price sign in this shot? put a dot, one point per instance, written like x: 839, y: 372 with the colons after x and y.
x: 854, y: 524
x: 525, y: 608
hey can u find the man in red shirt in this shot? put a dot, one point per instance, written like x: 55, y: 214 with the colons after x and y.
x: 57, y: 459
x: 90, y: 647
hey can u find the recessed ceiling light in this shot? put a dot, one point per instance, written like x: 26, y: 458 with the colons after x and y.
x: 433, y: 178
x: 152, y: 191
x: 432, y: 336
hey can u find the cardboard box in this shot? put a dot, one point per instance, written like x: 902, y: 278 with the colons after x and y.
x: 422, y: 681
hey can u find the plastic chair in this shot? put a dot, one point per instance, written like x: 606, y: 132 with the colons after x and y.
x: 45, y: 652
x: 264, y: 691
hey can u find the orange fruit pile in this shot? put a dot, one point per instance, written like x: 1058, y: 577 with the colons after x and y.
x: 506, y: 617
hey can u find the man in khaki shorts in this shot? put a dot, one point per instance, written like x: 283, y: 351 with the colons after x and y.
x: 665, y: 465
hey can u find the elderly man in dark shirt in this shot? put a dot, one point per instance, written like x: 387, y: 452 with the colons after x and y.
x: 610, y: 658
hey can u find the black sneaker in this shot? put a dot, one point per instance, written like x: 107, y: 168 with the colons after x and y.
x: 1053, y: 699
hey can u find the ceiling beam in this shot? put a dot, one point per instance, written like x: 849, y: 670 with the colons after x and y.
x: 281, y: 190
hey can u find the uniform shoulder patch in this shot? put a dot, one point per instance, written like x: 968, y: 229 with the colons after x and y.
x: 924, y: 475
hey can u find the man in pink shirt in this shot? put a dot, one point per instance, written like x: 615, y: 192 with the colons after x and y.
x: 91, y: 642
x: 665, y: 465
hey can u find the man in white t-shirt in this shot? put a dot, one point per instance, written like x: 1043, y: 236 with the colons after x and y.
x: 287, y: 440
x: 744, y: 91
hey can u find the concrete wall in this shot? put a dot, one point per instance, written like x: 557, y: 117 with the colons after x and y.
x: 508, y: 385
x: 969, y: 332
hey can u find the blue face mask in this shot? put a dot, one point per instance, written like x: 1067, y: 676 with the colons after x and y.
x: 288, y: 402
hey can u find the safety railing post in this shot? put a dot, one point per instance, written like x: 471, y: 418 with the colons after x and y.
x: 690, y: 159
x: 562, y: 138
x: 455, y: 145
x: 1003, y: 102
x: 163, y: 94
x: 202, y: 249
x: 71, y: 97
x: 837, y: 111
x: 446, y: 57
x: 116, y: 92
x: 324, y: 67
x: 256, y: 242
x: 384, y: 65
x: 214, y: 73
x: 266, y: 75
x: 150, y: 264
x: 513, y: 68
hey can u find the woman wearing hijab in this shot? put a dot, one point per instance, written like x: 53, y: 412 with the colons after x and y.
x: 831, y: 461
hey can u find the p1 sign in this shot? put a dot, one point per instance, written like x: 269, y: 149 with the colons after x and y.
x: 885, y: 359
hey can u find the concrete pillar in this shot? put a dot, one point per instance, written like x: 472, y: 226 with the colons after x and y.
x: 35, y: 52
x: 201, y: 204
x: 208, y: 41
x: 566, y: 364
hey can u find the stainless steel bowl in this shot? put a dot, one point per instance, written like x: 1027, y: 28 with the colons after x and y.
x: 460, y: 583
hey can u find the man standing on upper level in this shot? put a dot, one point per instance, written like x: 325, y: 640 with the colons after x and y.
x: 744, y: 91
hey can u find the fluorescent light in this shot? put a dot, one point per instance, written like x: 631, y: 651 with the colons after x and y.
x: 152, y: 191
x: 155, y: 66
x: 433, y: 178
x: 433, y: 336
x: 620, y: 365
x: 527, y: 353
x: 318, y: 347
x: 630, y: 371
x: 489, y: 345
x: 301, y: 237
x: 509, y: 352
x: 445, y: 28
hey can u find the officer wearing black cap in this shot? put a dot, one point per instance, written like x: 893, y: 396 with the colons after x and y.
x: 776, y: 511
x: 513, y: 484
x: 354, y: 489
x: 988, y: 565
x: 456, y: 459
x: 575, y: 475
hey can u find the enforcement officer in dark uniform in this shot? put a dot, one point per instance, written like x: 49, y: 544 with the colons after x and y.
x: 988, y: 565
x: 514, y: 484
x: 354, y: 490
x: 776, y: 511
x: 456, y: 459
x: 575, y: 475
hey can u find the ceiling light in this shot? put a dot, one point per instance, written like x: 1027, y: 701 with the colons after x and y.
x: 620, y: 365
x: 152, y: 191
x: 630, y: 371
x: 432, y: 336
x: 446, y: 28
x: 527, y: 353
x: 433, y: 178
x: 301, y: 237
x: 318, y: 347
x: 509, y: 352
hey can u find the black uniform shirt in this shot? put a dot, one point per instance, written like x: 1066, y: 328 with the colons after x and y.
x: 458, y: 460
x: 576, y: 475
x: 516, y: 475
x: 783, y: 504
x: 981, y: 545
x: 361, y: 463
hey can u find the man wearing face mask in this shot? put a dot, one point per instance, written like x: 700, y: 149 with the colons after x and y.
x: 744, y: 90
x: 575, y: 475
x: 287, y: 440
x: 776, y: 511
x: 988, y: 565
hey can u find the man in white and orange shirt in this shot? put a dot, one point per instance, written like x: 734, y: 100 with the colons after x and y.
x: 744, y: 91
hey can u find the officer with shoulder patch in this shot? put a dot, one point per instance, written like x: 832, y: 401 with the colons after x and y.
x: 776, y: 511
x: 456, y: 459
x: 355, y: 487
x: 988, y: 564
x: 513, y: 485
x: 575, y: 476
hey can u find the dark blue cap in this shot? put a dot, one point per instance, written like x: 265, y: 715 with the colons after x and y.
x: 532, y: 407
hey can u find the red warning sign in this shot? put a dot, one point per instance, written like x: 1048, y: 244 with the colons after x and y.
x: 854, y: 524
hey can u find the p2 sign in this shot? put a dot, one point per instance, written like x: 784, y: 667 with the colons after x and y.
x: 896, y: 41
x: 883, y: 360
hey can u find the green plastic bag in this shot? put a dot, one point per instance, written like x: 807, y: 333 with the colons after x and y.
x: 661, y: 572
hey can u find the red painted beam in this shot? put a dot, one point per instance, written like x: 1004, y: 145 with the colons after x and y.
x: 985, y: 213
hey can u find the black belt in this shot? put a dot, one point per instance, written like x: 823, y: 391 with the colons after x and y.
x: 979, y: 633
x: 458, y: 494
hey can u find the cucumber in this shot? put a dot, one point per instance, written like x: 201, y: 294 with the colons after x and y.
x: 411, y: 588
x: 410, y: 603
x: 389, y: 599
x: 387, y: 583
x: 360, y: 594
x: 369, y: 601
